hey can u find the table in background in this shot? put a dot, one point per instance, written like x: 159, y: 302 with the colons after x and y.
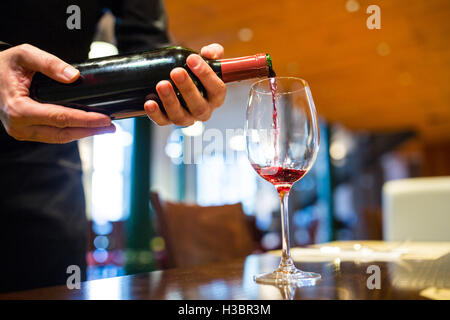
x: 402, y: 279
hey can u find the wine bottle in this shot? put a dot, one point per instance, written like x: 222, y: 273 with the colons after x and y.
x: 119, y: 85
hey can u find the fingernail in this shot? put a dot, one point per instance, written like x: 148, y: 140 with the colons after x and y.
x: 179, y: 75
x: 164, y: 89
x: 70, y: 72
x: 106, y: 122
x: 205, y: 51
x: 194, y: 61
x: 151, y: 106
x: 101, y: 121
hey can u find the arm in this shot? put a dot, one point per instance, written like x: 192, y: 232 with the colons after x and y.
x: 142, y: 25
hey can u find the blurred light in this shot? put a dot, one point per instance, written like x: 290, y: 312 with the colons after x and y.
x: 237, y: 181
x: 245, y: 34
x: 174, y: 149
x: 302, y: 237
x: 338, y: 150
x: 330, y: 250
x: 118, y: 258
x: 107, y: 290
x: 383, y: 49
x: 102, y: 228
x: 107, y: 195
x: 352, y: 5
x: 107, y: 152
x: 337, y: 264
x: 157, y: 244
x: 107, y: 177
x: 100, y: 255
x: 174, y: 146
x: 101, y: 242
x: 85, y: 150
x: 271, y: 240
x: 102, y: 49
x: 339, y: 163
x: 126, y: 138
x: 238, y: 143
x: 145, y: 257
x: 195, y: 130
x: 175, y: 136
x: 119, y: 138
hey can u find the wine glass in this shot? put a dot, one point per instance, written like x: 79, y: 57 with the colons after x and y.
x: 282, y: 135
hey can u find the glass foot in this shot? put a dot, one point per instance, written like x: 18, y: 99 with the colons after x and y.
x: 293, y: 276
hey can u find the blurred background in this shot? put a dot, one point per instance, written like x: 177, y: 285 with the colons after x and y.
x: 383, y: 100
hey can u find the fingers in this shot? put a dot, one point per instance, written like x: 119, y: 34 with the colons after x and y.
x: 63, y: 135
x: 215, y: 87
x: 36, y: 59
x: 198, y: 106
x: 154, y: 113
x: 213, y: 51
x: 175, y: 112
x: 34, y: 113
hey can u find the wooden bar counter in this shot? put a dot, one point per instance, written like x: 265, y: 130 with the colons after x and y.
x: 341, y: 279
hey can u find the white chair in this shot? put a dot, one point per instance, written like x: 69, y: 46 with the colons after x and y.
x: 417, y: 209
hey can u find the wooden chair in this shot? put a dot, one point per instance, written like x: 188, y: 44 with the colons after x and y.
x: 196, y: 235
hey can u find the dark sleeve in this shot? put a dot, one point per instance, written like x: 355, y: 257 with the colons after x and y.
x: 140, y: 24
x: 4, y: 46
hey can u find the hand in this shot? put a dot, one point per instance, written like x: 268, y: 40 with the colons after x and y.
x: 200, y: 108
x: 26, y: 119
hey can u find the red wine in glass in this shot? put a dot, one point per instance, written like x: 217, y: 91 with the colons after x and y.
x: 281, y: 178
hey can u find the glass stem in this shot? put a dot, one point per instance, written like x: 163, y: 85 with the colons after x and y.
x: 286, y: 264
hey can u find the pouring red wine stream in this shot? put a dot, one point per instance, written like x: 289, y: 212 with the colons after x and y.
x: 282, y: 178
x: 273, y: 89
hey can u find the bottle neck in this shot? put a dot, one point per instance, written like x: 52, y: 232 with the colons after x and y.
x: 242, y: 68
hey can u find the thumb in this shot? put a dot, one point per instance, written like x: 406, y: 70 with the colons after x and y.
x: 36, y: 59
